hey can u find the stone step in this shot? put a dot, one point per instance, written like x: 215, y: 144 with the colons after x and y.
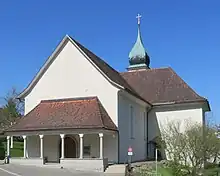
x: 116, y: 169
x: 113, y: 174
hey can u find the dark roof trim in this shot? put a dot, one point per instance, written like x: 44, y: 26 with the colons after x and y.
x: 53, y: 56
x: 51, y: 59
x: 183, y: 102
x: 61, y: 128
x: 43, y: 69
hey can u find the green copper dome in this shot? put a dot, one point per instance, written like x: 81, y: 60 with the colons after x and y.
x: 138, y: 56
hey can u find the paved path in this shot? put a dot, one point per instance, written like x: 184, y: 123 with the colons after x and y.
x: 17, y: 170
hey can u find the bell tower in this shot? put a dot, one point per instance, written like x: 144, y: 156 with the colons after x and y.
x: 138, y: 57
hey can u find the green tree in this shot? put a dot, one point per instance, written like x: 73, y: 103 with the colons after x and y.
x: 189, y: 149
x: 11, y: 110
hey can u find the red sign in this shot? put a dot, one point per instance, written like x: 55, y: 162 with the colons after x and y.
x: 129, y: 149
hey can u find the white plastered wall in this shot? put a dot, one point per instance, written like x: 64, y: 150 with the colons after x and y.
x: 71, y: 75
x: 33, y: 146
x: 51, y: 147
x: 160, y: 117
x: 138, y: 143
x: 50, y: 144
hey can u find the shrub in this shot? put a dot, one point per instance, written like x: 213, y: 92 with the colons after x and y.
x: 177, y: 169
x: 211, y: 165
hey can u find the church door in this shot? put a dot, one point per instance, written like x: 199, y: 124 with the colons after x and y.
x: 69, y: 147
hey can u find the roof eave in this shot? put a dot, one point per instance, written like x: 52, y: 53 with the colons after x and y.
x: 45, y: 65
x: 42, y: 69
x: 202, y: 100
x: 56, y: 129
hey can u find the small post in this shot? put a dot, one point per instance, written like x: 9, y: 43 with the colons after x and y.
x: 41, y: 146
x: 62, y: 145
x: 8, y: 146
x: 130, y: 153
x: 81, y: 146
x: 25, y: 146
x: 101, y: 145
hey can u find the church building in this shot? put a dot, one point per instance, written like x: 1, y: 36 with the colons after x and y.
x: 81, y: 113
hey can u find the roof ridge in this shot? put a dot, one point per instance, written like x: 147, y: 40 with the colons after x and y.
x: 99, y: 113
x: 101, y: 110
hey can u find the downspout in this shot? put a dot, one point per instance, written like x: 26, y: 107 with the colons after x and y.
x: 118, y: 147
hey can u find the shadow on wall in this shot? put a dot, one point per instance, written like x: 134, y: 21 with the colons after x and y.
x: 152, y: 146
x: 154, y: 138
x: 160, y: 117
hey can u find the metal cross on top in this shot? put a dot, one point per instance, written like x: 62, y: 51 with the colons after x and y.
x: 139, y: 18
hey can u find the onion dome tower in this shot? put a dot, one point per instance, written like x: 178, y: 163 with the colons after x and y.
x: 138, y: 57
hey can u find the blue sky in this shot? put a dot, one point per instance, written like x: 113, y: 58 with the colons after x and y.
x: 181, y: 34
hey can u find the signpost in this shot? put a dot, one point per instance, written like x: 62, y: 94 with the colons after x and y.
x: 130, y: 153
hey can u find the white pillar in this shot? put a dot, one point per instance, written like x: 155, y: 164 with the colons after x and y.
x: 11, y: 141
x: 25, y: 145
x: 101, y: 145
x: 8, y: 145
x: 81, y: 146
x: 62, y: 145
x: 41, y: 146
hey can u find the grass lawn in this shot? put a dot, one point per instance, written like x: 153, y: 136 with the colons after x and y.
x: 208, y: 172
x: 17, y: 150
x: 164, y: 171
x: 212, y: 171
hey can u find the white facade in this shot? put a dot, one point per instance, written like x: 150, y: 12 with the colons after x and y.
x: 71, y: 75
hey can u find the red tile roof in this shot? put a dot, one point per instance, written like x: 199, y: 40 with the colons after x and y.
x: 76, y: 113
x: 161, y: 86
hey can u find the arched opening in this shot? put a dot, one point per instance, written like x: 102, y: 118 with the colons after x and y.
x: 69, y: 147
